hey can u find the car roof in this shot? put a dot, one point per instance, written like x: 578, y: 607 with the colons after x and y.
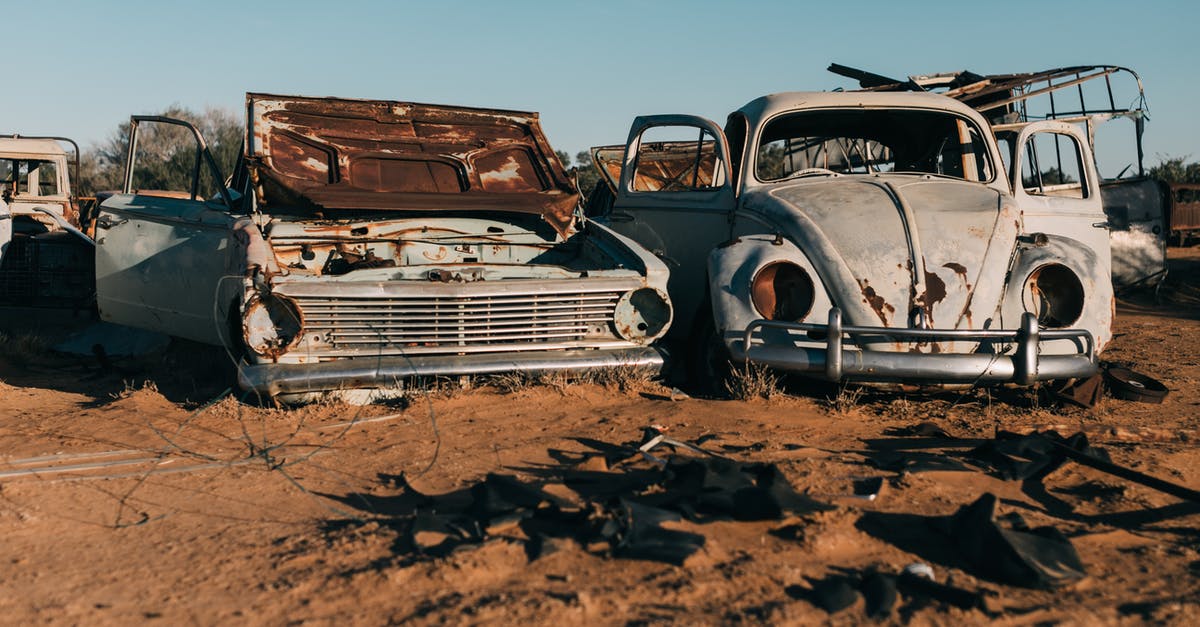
x: 767, y: 106
x: 30, y: 148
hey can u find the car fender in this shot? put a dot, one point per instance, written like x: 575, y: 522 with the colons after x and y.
x: 1039, y: 250
x: 731, y: 270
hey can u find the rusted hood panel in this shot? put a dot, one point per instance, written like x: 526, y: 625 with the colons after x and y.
x: 325, y: 154
x: 856, y: 232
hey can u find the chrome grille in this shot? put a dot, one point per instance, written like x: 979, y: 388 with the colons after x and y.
x: 432, y: 322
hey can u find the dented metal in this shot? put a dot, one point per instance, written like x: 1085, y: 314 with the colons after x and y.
x: 1090, y: 97
x: 922, y: 257
x: 349, y: 272
x: 324, y: 155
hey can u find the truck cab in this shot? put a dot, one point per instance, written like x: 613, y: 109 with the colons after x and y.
x: 45, y: 257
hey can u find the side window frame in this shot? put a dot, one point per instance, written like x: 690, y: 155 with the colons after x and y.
x: 203, y: 158
x: 1033, y: 158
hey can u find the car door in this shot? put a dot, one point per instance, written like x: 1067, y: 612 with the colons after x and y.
x: 675, y: 197
x: 167, y: 260
x: 1056, y: 185
x: 5, y: 228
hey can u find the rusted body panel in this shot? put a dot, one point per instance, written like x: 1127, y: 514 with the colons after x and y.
x: 338, y: 154
x: 1091, y: 97
x: 331, y: 263
x: 1185, y: 210
x: 875, y: 238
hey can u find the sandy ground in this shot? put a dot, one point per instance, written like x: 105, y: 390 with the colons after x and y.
x: 125, y: 497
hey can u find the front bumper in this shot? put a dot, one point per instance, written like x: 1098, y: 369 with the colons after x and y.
x: 837, y: 362
x: 344, y: 374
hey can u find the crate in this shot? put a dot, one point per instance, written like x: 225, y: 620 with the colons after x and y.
x: 48, y: 270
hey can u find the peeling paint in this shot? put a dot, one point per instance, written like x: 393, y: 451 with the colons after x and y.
x: 881, y: 308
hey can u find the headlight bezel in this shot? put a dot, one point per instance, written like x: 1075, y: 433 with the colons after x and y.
x: 766, y: 284
x: 271, y: 325
x: 642, y: 315
x: 1054, y: 292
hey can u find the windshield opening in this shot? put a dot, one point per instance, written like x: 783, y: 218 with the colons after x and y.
x: 866, y: 141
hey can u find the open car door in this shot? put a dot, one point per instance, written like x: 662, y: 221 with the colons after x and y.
x: 5, y: 228
x: 168, y: 260
x: 1054, y: 179
x: 675, y: 196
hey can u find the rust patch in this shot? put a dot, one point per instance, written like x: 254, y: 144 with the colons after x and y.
x: 320, y: 154
x: 935, y: 292
x: 881, y: 307
x: 958, y: 269
x: 961, y: 271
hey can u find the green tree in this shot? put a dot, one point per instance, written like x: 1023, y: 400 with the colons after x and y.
x: 1175, y: 170
x: 166, y: 153
x: 586, y: 172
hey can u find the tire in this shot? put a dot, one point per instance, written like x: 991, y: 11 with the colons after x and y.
x: 709, y: 368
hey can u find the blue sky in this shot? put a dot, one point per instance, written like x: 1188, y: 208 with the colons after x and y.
x: 83, y: 67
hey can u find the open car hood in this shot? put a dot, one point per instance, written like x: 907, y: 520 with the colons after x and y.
x: 328, y: 154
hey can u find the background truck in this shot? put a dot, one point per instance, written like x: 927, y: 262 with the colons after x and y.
x: 46, y: 259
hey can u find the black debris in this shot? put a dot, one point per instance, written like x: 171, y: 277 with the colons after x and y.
x: 915, y: 586
x: 833, y: 594
x: 879, y: 591
x: 1032, y: 456
x: 1007, y: 550
x: 625, y: 493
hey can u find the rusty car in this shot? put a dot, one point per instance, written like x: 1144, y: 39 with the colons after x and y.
x: 45, y: 256
x: 359, y: 243
x: 1091, y: 97
x: 868, y: 237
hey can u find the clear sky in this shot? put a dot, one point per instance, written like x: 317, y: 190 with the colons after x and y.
x: 79, y: 68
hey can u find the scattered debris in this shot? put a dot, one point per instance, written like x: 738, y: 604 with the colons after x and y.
x: 1031, y: 456
x: 916, y: 583
x: 1132, y: 386
x: 625, y: 492
x: 882, y: 591
x: 1081, y: 392
x: 1012, y: 552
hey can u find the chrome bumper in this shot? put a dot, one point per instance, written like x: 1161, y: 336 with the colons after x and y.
x: 343, y: 374
x: 835, y: 362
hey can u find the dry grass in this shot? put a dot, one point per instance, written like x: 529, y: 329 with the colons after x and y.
x: 133, y: 386
x: 752, y: 381
x: 623, y: 379
x: 21, y: 348
x: 847, y: 400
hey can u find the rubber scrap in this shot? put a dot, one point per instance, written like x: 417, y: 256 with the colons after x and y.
x: 1012, y: 552
x: 635, y: 532
x: 879, y: 591
x: 833, y: 594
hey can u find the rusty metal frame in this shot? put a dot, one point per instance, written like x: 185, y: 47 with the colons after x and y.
x: 74, y: 145
x: 202, y: 154
x: 986, y: 93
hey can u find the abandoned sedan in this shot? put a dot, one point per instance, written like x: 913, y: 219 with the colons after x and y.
x: 869, y: 237
x: 362, y: 242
